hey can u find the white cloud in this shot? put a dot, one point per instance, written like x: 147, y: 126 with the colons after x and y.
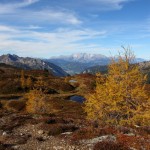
x: 24, y: 3
x: 34, y: 43
x: 92, y: 5
x: 111, y: 1
x: 110, y: 4
x: 15, y: 12
x: 115, y: 4
x: 38, y: 44
x: 33, y: 27
x: 13, y: 7
x: 55, y: 16
x: 64, y: 13
x: 4, y: 28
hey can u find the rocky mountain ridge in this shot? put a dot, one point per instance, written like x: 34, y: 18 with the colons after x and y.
x: 32, y: 63
x: 83, y: 57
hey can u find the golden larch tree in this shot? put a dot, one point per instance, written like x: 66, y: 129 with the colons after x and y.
x: 120, y: 97
x: 36, y: 98
x: 36, y: 101
x: 29, y: 83
x: 23, y: 80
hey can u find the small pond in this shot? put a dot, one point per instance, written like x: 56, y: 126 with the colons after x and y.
x: 77, y: 98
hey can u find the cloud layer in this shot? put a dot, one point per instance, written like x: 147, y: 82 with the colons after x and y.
x: 66, y: 12
x: 36, y: 43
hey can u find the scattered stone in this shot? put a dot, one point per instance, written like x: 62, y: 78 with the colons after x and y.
x: 99, y: 139
x: 40, y: 132
x: 66, y: 133
x: 4, y: 133
x: 15, y: 147
x: 21, y: 134
x: 137, y: 126
x: 130, y: 134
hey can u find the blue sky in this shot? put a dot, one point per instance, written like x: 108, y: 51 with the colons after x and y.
x: 45, y: 28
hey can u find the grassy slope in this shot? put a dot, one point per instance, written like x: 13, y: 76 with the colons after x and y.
x: 13, y: 99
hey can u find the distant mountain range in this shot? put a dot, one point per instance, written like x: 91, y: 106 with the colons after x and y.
x: 84, y: 58
x: 32, y: 63
x: 80, y: 62
x: 73, y: 64
x: 77, y: 63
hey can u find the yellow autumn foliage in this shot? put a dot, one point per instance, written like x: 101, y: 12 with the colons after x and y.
x: 29, y: 83
x: 120, y: 97
x: 22, y: 80
x: 36, y: 99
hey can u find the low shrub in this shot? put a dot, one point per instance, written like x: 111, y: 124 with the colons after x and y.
x: 147, y: 129
x: 1, y: 105
x: 136, y: 142
x: 125, y: 130
x: 55, y: 129
x: 107, y: 130
x: 69, y: 128
x: 36, y: 102
x: 84, y: 133
x: 15, y: 105
x: 109, y: 145
x: 91, y: 132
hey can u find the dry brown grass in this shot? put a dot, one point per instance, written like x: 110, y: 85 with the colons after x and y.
x: 90, y: 132
x: 136, y: 142
x: 108, y: 145
x: 15, y: 105
x: 85, y: 83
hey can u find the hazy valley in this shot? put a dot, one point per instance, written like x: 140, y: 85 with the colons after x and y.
x: 80, y: 62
